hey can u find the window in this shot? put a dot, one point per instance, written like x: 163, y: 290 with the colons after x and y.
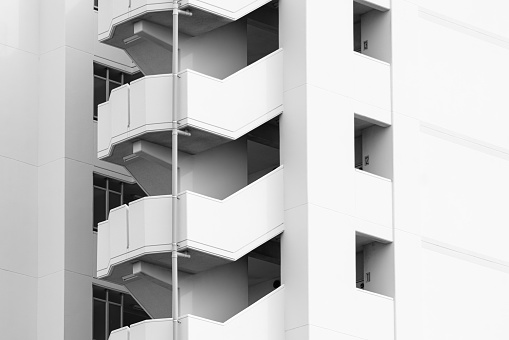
x: 113, y: 310
x: 106, y: 79
x: 110, y: 193
x: 96, y: 5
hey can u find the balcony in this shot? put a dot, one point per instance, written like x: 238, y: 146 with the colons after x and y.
x: 372, y: 89
x: 213, y: 231
x: 213, y: 110
x: 116, y: 17
x: 374, y: 310
x: 262, y: 320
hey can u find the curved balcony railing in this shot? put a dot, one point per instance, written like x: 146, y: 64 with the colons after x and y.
x: 262, y: 320
x: 227, y: 108
x: 115, y: 12
x: 228, y: 228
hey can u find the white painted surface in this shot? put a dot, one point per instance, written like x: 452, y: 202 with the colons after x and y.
x: 373, y: 198
x: 462, y: 299
x: 113, y: 13
x: 229, y: 108
x: 206, y: 224
x: 372, y: 88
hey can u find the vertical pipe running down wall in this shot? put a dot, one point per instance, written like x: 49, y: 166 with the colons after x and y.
x: 174, y: 179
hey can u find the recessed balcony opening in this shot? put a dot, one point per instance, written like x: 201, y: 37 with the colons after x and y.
x: 373, y: 147
x: 262, y: 32
x: 263, y: 150
x: 374, y: 265
x: 264, y: 269
x: 371, y: 31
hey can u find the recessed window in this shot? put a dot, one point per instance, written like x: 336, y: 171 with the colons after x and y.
x: 110, y: 193
x: 113, y: 310
x: 374, y: 263
x: 106, y: 79
x: 371, y: 31
x: 373, y: 147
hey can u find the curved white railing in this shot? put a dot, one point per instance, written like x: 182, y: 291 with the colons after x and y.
x: 262, y: 320
x: 115, y: 12
x: 230, y: 107
x: 228, y: 228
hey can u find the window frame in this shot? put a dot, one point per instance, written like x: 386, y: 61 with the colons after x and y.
x: 108, y: 80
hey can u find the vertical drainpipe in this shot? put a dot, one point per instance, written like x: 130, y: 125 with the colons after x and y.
x: 174, y: 178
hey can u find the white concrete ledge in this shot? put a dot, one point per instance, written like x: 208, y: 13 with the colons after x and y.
x: 205, y: 224
x: 372, y: 89
x: 373, y: 200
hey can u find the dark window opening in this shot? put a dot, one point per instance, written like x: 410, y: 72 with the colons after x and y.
x: 110, y: 193
x: 264, y: 269
x: 105, y: 80
x: 262, y: 31
x: 113, y: 310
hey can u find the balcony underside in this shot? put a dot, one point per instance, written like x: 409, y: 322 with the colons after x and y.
x: 187, y: 25
x: 199, y: 141
x: 198, y: 262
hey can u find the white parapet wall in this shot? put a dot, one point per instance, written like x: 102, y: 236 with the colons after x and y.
x: 262, y: 320
x: 374, y: 310
x: 372, y: 89
x: 113, y: 13
x: 205, y: 224
x: 230, y: 107
x: 373, y: 201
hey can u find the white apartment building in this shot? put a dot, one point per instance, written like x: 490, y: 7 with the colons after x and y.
x: 342, y: 170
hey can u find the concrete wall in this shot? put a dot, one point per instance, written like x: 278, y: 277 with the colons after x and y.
x: 450, y: 160
x: 46, y: 161
x: 379, y: 263
x: 216, y: 294
x: 375, y: 29
x: 218, y: 53
x: 377, y: 147
x: 218, y: 172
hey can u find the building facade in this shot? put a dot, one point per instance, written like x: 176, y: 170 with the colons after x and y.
x: 314, y: 197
